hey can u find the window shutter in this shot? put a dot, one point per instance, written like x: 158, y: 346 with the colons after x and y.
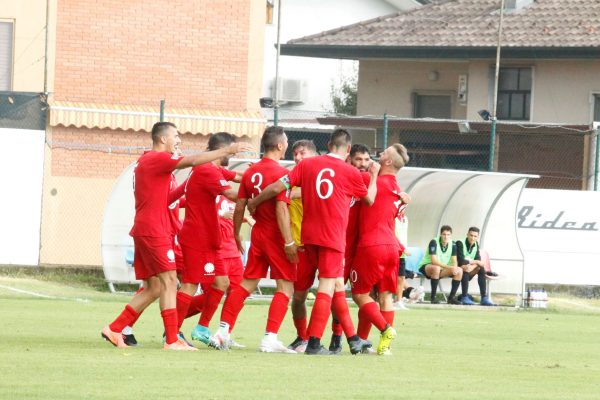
x: 6, y: 55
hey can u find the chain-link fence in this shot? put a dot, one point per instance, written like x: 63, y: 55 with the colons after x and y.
x: 564, y: 156
x: 81, y: 160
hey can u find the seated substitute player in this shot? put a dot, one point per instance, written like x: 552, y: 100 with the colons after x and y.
x: 271, y: 245
x: 328, y: 184
x: 440, y: 262
x: 200, y: 237
x: 154, y: 259
x: 377, y: 256
x: 469, y: 259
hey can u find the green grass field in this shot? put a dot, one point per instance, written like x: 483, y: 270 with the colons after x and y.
x: 50, y: 348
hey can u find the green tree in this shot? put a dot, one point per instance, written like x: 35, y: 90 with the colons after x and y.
x: 344, y: 95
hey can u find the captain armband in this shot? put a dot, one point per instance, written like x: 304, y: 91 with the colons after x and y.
x: 286, y: 182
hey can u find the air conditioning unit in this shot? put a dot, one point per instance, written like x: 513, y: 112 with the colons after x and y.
x: 289, y: 90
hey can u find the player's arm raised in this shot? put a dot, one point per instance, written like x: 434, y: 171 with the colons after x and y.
x: 238, y: 219
x: 268, y: 193
x: 369, y: 199
x: 209, y: 156
x: 283, y: 220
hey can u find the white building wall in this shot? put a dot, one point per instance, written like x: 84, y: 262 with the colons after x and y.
x: 307, y: 17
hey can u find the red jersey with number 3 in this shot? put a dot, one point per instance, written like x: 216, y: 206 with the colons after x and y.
x: 328, y: 185
x: 376, y: 224
x: 255, y: 180
x: 201, y: 224
x: 151, y: 187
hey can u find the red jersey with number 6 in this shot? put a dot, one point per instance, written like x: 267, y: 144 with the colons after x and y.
x: 328, y: 185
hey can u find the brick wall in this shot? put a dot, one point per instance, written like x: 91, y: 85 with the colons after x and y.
x: 192, y: 53
x: 69, y: 160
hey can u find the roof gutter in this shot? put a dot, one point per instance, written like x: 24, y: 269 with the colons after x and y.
x: 411, y: 52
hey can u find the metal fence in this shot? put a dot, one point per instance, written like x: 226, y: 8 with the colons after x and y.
x: 564, y: 156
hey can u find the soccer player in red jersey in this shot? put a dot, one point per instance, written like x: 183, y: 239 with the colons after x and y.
x: 271, y: 241
x: 360, y: 159
x: 154, y: 259
x: 377, y: 256
x: 328, y: 184
x: 200, y: 237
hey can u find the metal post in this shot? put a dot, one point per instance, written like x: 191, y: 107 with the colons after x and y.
x: 162, y: 111
x: 495, y: 105
x: 596, y: 160
x: 385, y: 131
x: 276, y: 97
x: 46, y: 47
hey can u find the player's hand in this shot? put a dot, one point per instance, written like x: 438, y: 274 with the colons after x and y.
x: 291, y: 252
x: 240, y: 244
x: 251, y: 206
x: 374, y: 168
x: 249, y: 220
x: 228, y: 215
x: 241, y: 147
x: 405, y: 197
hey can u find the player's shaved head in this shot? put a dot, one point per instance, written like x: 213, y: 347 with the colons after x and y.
x: 339, y: 138
x: 400, y: 157
x: 272, y: 136
x: 219, y: 140
x: 160, y: 129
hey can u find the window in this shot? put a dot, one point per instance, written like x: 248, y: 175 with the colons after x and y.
x: 6, y: 54
x: 514, y: 94
x: 596, y: 107
x: 432, y: 106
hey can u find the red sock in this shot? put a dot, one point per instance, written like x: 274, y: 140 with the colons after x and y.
x: 300, y: 325
x: 319, y: 315
x: 389, y: 317
x: 339, y: 306
x: 277, y: 310
x: 233, y: 305
x: 371, y: 312
x: 336, y: 327
x: 183, y: 305
x: 127, y: 318
x: 196, y: 306
x: 211, y: 303
x: 170, y: 322
x: 364, y: 326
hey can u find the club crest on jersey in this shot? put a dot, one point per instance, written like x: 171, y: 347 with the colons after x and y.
x: 171, y: 255
x: 209, y: 268
x: 223, y: 182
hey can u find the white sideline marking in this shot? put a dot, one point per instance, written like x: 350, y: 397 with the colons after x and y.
x: 45, y: 296
x: 574, y: 303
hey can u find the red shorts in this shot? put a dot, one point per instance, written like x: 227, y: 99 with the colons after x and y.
x: 329, y: 262
x: 306, y: 272
x: 178, y: 257
x: 152, y: 255
x: 375, y: 266
x: 235, y: 270
x: 348, y: 263
x: 201, y: 266
x: 264, y: 254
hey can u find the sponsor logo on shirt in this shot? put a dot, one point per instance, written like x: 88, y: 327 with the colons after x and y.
x: 171, y: 255
x: 209, y: 268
